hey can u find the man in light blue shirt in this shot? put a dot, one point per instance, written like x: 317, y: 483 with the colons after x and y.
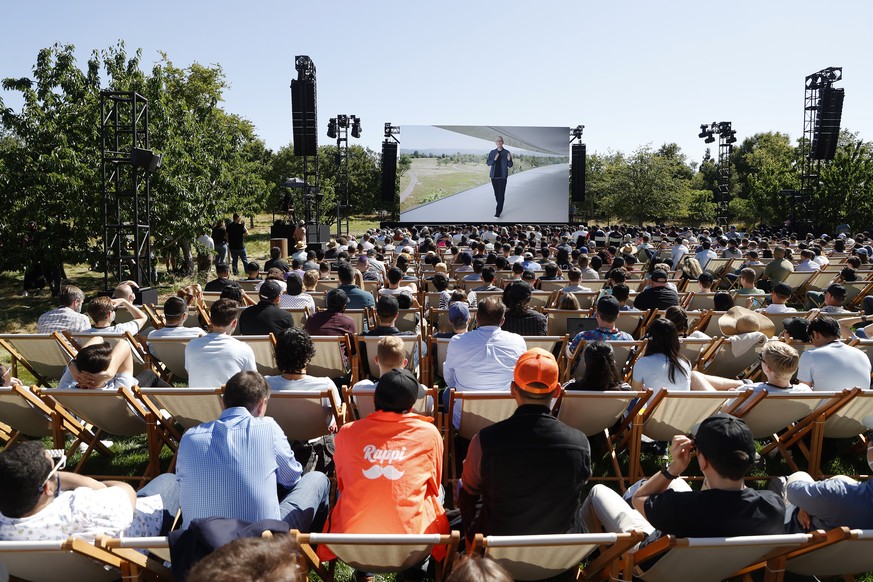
x: 482, y: 359
x: 231, y: 467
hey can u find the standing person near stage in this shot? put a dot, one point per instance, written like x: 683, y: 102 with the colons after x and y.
x: 500, y: 161
x: 236, y: 232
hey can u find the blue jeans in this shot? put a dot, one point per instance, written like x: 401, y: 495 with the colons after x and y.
x: 305, y: 506
x: 221, y: 258
x: 168, y: 488
x: 237, y: 254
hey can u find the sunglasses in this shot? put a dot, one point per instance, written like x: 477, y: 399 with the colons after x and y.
x: 60, y: 464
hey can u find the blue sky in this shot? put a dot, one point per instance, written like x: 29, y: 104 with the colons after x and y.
x: 632, y: 72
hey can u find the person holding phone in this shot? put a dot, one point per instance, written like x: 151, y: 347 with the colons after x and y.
x: 500, y: 160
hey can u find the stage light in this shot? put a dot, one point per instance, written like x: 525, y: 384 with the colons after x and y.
x: 709, y: 139
x: 331, y: 128
x: 703, y: 131
x: 356, y: 126
x: 342, y: 120
x: 391, y: 130
x: 146, y: 160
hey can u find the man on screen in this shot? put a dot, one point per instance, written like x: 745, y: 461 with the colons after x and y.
x: 500, y: 161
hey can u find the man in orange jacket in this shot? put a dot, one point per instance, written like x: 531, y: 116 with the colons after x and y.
x: 389, y: 451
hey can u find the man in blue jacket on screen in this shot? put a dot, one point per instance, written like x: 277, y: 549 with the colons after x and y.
x: 500, y: 161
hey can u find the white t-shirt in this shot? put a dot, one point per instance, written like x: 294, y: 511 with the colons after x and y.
x: 308, y: 383
x: 653, y: 372
x: 213, y: 359
x: 88, y: 513
x: 779, y: 308
x: 833, y: 367
x: 175, y: 332
x: 113, y: 384
x: 115, y: 329
x: 772, y: 389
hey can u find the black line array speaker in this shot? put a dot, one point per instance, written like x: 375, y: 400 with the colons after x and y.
x: 304, y: 118
x: 389, y: 170
x: 827, y: 124
x: 577, y: 172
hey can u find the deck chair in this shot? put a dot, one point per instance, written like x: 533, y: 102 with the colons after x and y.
x: 60, y: 561
x: 554, y: 344
x: 778, y: 318
x: 137, y: 556
x: 409, y: 319
x: 367, y: 346
x: 667, y: 414
x: 25, y: 413
x: 626, y: 354
x: 553, y: 285
x: 170, y: 353
x: 586, y: 299
x: 539, y: 300
x: 719, y: 359
x: 265, y: 354
x: 694, y: 349
x: 439, y: 320
x: 330, y: 356
x: 479, y: 409
x: 797, y: 281
x: 865, y: 345
x: 187, y: 406
x: 596, y: 412
x: 301, y: 414
x: 326, y: 285
x: 538, y: 557
x: 855, y: 293
x: 437, y: 350
x: 843, y: 552
x: 378, y: 553
x: 556, y: 319
x: 709, y: 325
x: 360, y: 317
x: 360, y: 400
x: 298, y: 314
x: 699, y: 301
x: 43, y: 355
x: 140, y: 356
x: 633, y: 322
x: 116, y: 412
x: 707, y: 559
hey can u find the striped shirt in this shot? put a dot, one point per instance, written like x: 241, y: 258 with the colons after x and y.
x: 230, y: 467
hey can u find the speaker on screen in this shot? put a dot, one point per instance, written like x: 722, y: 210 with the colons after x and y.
x: 827, y: 124
x: 389, y: 170
x: 577, y: 172
x: 304, y: 118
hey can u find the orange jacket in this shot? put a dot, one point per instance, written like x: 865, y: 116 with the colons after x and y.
x: 389, y: 469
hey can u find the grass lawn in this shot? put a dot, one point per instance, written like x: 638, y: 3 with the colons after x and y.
x: 435, y: 181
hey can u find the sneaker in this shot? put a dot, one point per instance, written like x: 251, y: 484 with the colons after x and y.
x: 84, y: 446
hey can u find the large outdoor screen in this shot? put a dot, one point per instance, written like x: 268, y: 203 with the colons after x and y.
x: 459, y: 173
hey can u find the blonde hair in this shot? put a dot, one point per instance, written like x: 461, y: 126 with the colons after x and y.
x: 391, y: 351
x: 781, y: 358
x: 310, y: 279
x: 441, y: 268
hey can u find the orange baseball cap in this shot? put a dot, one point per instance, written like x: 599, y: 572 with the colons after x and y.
x: 536, y: 371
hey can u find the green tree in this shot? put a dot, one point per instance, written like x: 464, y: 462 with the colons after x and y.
x: 765, y: 164
x: 846, y: 186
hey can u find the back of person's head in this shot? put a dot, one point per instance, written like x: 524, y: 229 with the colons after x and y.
x: 246, y: 389
x: 748, y: 275
x: 336, y: 300
x: 536, y: 375
x: 488, y: 274
x: 233, y: 292
x: 100, y: 308
x: 621, y: 292
x: 294, y: 349
x: 440, y: 281
x: 310, y: 278
x: 490, y: 311
x: 294, y: 284
x: 394, y: 275
x: 345, y: 272
x: 404, y: 301
x: 727, y: 444
x: 706, y: 280
x: 223, y: 312
x: 94, y: 358
x: 551, y: 269
x: 568, y: 301
x: 222, y: 269
x: 175, y: 309
x: 253, y: 269
x: 23, y: 470
x: 275, y: 252
x: 476, y: 568
x: 391, y: 351
x: 396, y: 391
x: 825, y: 325
x: 517, y: 295
x: 601, y: 373
x: 250, y: 560
x: 679, y: 317
x: 387, y: 307
x: 574, y: 275
x: 596, y: 262
x: 608, y: 308
x: 722, y: 301
x: 70, y: 294
x: 780, y: 357
x: 517, y: 268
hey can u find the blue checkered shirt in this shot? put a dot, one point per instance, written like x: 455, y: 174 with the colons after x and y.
x: 230, y: 467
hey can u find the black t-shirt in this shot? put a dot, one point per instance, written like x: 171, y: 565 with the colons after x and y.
x: 656, y: 298
x: 218, y: 285
x: 235, y: 232
x: 264, y: 318
x: 219, y: 235
x: 716, y: 513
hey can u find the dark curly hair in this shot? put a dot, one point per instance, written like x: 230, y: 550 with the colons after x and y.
x: 294, y: 349
x: 23, y: 467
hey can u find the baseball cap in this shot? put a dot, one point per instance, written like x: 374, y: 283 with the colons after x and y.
x: 175, y: 307
x: 727, y: 442
x: 269, y: 290
x: 252, y: 267
x: 836, y: 290
x: 659, y: 275
x: 536, y: 372
x: 782, y: 289
x: 458, y: 312
x: 396, y: 391
x: 608, y: 307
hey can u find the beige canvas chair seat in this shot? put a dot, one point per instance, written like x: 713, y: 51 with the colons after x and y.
x: 698, y: 300
x: 59, y: 561
x: 328, y: 360
x: 694, y: 349
x: 538, y: 557
x: 556, y: 319
x: 301, y: 414
x: 298, y: 314
x: 439, y: 319
x: 43, y: 355
x: 170, y: 351
x: 378, y: 553
x: 625, y: 353
x: 708, y: 559
x: 369, y: 345
x: 134, y: 555
x: 138, y: 353
x: 554, y: 344
x: 187, y: 406
x: 768, y: 413
x: 361, y: 399
x: 843, y: 553
x: 438, y: 349
x: 719, y: 359
x: 265, y: 353
x: 479, y: 409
